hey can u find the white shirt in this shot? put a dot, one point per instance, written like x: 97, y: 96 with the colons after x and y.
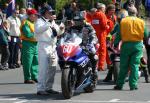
x: 43, y: 31
x: 15, y: 24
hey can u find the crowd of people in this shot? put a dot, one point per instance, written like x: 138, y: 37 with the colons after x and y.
x: 31, y: 36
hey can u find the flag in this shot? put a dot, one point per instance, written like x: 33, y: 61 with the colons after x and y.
x: 10, y: 8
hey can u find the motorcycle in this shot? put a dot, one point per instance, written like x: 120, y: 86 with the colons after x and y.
x: 115, y: 57
x: 143, y: 68
x: 75, y: 66
x: 116, y: 65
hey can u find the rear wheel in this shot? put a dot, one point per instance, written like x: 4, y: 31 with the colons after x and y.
x: 116, y: 70
x: 68, y: 80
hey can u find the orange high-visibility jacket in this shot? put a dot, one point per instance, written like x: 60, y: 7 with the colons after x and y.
x: 99, y: 22
x: 111, y: 22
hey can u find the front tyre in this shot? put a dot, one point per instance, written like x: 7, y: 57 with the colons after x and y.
x: 68, y: 82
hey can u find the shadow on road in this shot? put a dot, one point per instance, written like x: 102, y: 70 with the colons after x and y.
x: 35, y: 97
x: 110, y: 90
x: 11, y: 83
x: 100, y: 82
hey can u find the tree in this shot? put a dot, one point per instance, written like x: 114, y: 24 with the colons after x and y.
x: 106, y: 2
x: 60, y: 4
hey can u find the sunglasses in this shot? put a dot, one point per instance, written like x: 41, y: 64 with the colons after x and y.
x: 52, y: 13
x: 16, y: 13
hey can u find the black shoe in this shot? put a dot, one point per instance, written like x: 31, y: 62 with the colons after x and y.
x: 17, y: 65
x: 51, y: 91
x: 29, y: 82
x: 127, y: 80
x: 2, y: 68
x: 107, y: 80
x: 12, y: 66
x: 117, y: 87
x: 147, y: 81
x: 6, y: 68
x: 42, y: 93
x: 134, y: 88
x: 35, y: 80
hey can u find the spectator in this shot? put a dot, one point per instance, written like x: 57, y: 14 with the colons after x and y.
x: 68, y: 12
x: 111, y: 19
x: 118, y: 7
x: 138, y: 3
x: 14, y: 42
x: 110, y: 13
x: 128, y: 4
x: 132, y: 31
x: 5, y: 8
x: 72, y: 10
x: 29, y: 48
x: 1, y: 13
x: 147, y: 5
x: 60, y: 15
x: 4, y: 35
x: 99, y: 22
x: 22, y: 14
x: 46, y: 31
x: 101, y: 7
x: 1, y: 17
x: 147, y: 46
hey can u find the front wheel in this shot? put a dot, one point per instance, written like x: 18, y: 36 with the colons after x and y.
x: 68, y: 80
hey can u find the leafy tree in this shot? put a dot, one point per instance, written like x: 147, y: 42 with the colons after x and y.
x: 60, y: 4
x: 106, y: 2
x: 19, y: 3
x: 88, y: 4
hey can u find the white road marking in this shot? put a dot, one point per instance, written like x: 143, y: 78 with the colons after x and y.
x: 90, y: 101
x: 114, y: 100
x: 22, y: 101
x: 16, y: 100
x: 82, y: 101
x: 8, y: 99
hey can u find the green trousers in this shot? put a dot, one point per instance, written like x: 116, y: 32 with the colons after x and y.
x: 130, y: 55
x: 29, y: 60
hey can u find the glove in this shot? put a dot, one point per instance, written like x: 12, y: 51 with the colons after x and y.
x: 109, y: 37
x: 91, y: 48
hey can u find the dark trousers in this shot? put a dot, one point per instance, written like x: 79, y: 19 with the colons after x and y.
x: 5, y: 55
x: 14, y: 51
x: 148, y: 58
